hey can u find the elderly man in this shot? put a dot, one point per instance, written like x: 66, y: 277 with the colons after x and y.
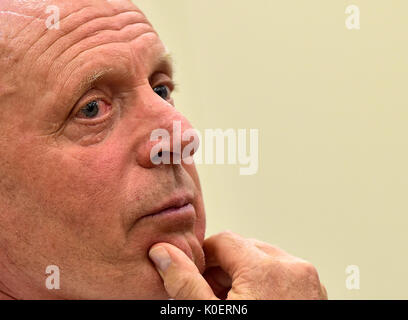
x: 79, y: 99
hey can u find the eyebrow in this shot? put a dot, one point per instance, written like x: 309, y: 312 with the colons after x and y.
x: 164, y: 64
x: 90, y: 81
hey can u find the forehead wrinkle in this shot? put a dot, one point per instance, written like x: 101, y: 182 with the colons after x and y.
x: 96, y: 46
x: 84, y: 20
x: 164, y: 61
x: 25, y: 27
x: 92, y: 20
x: 9, y: 23
x: 45, y: 31
x: 18, y: 14
x: 90, y: 79
x: 96, y: 30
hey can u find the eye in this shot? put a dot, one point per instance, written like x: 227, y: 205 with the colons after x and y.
x: 94, y: 109
x: 163, y: 92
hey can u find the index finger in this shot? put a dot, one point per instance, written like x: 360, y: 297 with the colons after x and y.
x: 231, y: 252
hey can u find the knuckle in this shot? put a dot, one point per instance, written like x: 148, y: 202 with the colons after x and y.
x: 277, y: 250
x: 307, y: 269
x: 310, y: 275
x: 227, y: 234
x: 259, y: 243
x: 269, y: 262
x: 231, y: 238
x: 254, y: 243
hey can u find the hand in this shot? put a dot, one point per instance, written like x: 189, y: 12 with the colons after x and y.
x: 237, y: 269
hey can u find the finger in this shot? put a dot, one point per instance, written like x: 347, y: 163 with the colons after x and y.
x: 231, y: 252
x: 182, y: 280
x: 219, y: 281
x: 271, y: 250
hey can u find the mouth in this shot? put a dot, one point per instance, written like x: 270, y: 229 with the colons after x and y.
x: 177, y: 205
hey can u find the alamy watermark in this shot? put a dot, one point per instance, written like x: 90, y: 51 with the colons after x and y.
x: 220, y: 147
x: 53, y: 21
x: 52, y: 282
x: 353, y: 18
x: 353, y: 277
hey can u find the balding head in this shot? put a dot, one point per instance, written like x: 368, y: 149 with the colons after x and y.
x: 79, y: 101
x: 36, y: 32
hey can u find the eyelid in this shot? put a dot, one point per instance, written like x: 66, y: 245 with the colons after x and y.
x: 160, y: 79
x: 96, y: 121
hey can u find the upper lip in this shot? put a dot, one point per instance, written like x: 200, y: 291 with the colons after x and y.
x: 177, y: 200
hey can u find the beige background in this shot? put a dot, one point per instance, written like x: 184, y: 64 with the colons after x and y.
x: 331, y: 107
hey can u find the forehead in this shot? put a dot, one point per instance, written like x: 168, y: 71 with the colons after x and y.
x: 111, y: 41
x: 25, y: 15
x: 30, y: 23
x: 84, y: 26
x: 34, y: 7
x: 26, y: 24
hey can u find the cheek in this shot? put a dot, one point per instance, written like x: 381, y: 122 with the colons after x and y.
x: 91, y: 179
x: 87, y: 177
x: 77, y: 191
x: 199, y: 202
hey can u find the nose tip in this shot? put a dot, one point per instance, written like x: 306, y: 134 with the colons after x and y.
x: 173, y: 145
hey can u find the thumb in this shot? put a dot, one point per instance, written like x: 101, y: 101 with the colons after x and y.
x: 182, y: 279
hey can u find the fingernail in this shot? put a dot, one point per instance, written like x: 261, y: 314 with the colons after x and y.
x: 161, y: 258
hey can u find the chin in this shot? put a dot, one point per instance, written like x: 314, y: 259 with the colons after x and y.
x: 153, y: 289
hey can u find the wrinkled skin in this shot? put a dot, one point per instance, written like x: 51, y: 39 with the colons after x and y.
x: 77, y: 185
x: 73, y: 189
x: 237, y: 269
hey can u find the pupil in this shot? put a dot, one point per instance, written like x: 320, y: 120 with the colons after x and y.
x: 162, y: 92
x: 91, y: 109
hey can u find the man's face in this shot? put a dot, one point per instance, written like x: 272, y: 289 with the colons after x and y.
x: 77, y: 108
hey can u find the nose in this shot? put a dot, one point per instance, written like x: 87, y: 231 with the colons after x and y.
x: 168, y: 137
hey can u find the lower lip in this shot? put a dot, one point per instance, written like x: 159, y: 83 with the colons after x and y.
x: 182, y: 212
